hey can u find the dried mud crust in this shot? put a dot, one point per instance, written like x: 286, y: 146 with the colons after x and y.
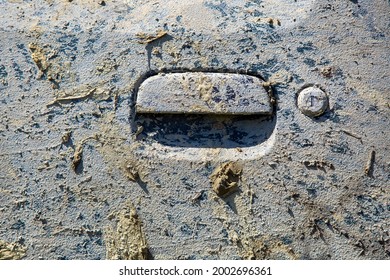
x: 11, y: 251
x: 225, y: 178
x: 127, y: 241
x: 70, y: 164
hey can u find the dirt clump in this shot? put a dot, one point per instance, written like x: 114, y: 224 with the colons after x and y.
x: 127, y: 242
x: 225, y: 178
x: 11, y: 251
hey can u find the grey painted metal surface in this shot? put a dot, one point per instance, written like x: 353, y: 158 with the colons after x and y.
x: 82, y: 176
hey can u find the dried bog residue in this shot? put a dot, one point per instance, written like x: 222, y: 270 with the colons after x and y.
x: 40, y: 59
x: 266, y: 248
x: 147, y: 38
x: 50, y: 64
x: 133, y: 169
x: 370, y: 164
x: 11, y: 251
x: 238, y: 217
x: 78, y: 152
x: 77, y: 157
x: 127, y: 242
x: 204, y: 87
x: 100, y: 92
x: 225, y: 178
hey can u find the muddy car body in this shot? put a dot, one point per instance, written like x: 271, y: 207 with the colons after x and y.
x: 84, y: 174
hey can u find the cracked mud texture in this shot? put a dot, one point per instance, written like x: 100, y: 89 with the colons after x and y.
x: 72, y: 153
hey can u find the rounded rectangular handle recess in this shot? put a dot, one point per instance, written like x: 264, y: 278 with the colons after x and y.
x: 203, y: 93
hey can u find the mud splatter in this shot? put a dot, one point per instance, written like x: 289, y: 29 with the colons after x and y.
x: 127, y: 241
x: 225, y: 178
x: 147, y: 38
x: 11, y: 251
x: 266, y: 248
x: 77, y: 157
x: 39, y: 57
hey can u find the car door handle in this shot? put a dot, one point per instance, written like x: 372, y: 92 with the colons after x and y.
x: 203, y: 93
x: 192, y: 113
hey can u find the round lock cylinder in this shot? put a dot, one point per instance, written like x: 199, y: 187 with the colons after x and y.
x: 312, y: 101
